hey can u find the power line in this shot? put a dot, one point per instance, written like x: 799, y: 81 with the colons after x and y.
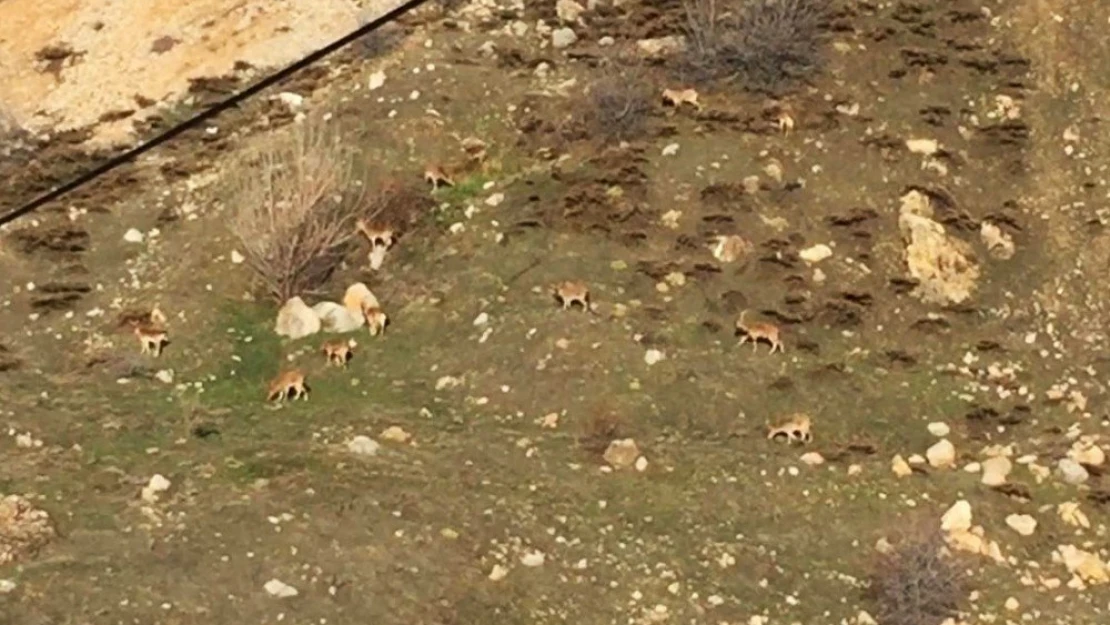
x: 211, y: 112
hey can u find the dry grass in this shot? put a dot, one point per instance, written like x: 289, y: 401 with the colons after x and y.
x: 296, y: 198
x: 918, y: 582
x: 765, y: 44
x: 620, y: 101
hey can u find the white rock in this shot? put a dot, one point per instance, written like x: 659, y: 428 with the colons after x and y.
x: 996, y: 470
x: 165, y: 376
x: 942, y: 454
x: 293, y: 100
x: 498, y: 573
x: 568, y: 11
x: 133, y: 236
x: 653, y: 356
x: 533, y: 559
x: 237, y: 258
x: 812, y: 458
x: 1071, y: 471
x: 296, y: 320
x: 999, y: 244
x: 563, y: 38
x: 363, y: 446
x: 863, y: 618
x: 1022, y: 524
x: 495, y: 199
x: 157, y: 484
x: 606, y: 41
x: 336, y: 318
x: 957, y: 518
x: 1087, y: 452
x: 377, y: 79
x: 900, y: 467
x: 482, y: 319
x: 622, y: 453
x: 815, y: 254
x: 641, y: 464
x: 279, y: 589
x: 670, y: 149
x: 939, y: 429
x: 927, y: 147
x: 6, y: 586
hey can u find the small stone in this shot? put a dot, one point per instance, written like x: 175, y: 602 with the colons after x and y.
x: 957, y: 518
x: 6, y: 586
x: 363, y: 446
x: 1088, y: 453
x: 1071, y: 471
x: 900, y: 467
x: 927, y: 147
x: 996, y: 470
x: 641, y: 464
x: 533, y: 559
x: 939, y: 429
x: 237, y: 258
x: 812, y: 458
x: 863, y: 618
x: 292, y: 100
x: 568, y: 11
x: 622, y: 453
x: 606, y: 41
x: 670, y: 149
x: 563, y: 38
x: 1022, y: 524
x: 279, y: 589
x: 157, y: 484
x: 133, y: 236
x: 395, y: 434
x: 165, y: 376
x: 942, y: 454
x: 1071, y: 514
x: 482, y: 319
x: 653, y: 356
x: 498, y: 573
x: 377, y: 79
x: 815, y: 254
x: 662, y: 46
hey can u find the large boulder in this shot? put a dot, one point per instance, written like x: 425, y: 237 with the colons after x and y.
x: 944, y: 266
x: 296, y: 320
x: 336, y: 318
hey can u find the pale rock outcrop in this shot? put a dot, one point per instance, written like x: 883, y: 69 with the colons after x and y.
x: 296, y: 320
x: 945, y: 266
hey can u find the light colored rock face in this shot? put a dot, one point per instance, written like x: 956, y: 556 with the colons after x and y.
x: 996, y: 470
x: 23, y: 529
x: 622, y: 453
x: 944, y: 266
x: 336, y: 318
x: 942, y: 455
x: 149, y: 48
x: 296, y: 320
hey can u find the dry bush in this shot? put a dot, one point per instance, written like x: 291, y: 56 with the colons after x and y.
x: 765, y: 44
x: 918, y: 582
x: 620, y: 101
x: 295, y: 199
x: 602, y: 427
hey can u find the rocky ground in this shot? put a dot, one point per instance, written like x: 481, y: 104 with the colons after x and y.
x: 926, y: 237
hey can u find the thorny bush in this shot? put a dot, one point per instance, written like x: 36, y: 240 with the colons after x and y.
x: 917, y: 582
x: 765, y: 44
x: 296, y: 198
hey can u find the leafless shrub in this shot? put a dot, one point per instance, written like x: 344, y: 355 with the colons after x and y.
x: 765, y: 44
x: 917, y: 582
x: 620, y: 101
x: 296, y: 198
